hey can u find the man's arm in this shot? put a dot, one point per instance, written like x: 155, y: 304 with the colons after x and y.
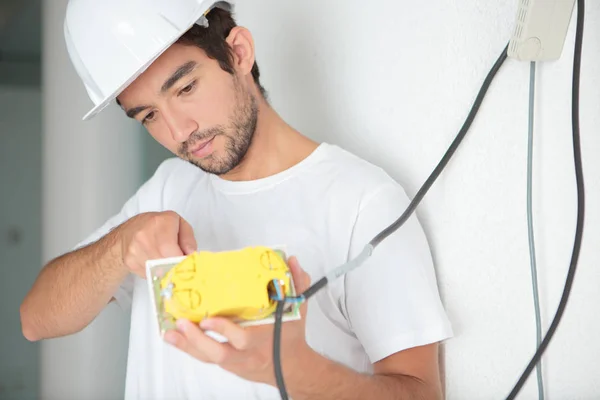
x: 72, y: 290
x: 411, y: 374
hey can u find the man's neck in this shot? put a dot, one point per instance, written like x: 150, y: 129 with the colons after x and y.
x: 275, y: 147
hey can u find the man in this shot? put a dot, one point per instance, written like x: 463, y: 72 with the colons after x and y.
x: 244, y: 177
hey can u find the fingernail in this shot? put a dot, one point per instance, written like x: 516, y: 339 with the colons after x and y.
x: 190, y: 250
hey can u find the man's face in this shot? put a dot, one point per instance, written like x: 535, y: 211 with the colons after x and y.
x: 195, y: 109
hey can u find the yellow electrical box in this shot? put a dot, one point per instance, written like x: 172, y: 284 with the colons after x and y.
x: 241, y: 284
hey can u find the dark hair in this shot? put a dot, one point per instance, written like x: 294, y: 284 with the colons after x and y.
x: 212, y: 41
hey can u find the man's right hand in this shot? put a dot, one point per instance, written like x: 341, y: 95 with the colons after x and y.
x: 154, y: 235
x: 72, y: 289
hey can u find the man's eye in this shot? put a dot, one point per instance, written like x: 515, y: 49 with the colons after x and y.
x: 188, y: 88
x: 148, y: 117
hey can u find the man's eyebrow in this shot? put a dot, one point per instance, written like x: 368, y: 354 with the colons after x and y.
x: 179, y: 73
x: 132, y: 112
x: 182, y: 71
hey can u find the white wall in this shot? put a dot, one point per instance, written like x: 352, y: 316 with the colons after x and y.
x: 393, y: 81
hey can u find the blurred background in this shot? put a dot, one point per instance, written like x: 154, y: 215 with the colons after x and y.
x: 59, y: 179
x: 391, y: 81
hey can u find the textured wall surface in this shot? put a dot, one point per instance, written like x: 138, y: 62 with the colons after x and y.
x: 393, y: 82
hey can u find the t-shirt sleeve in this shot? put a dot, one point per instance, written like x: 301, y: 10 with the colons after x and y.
x: 392, y: 300
x: 149, y: 197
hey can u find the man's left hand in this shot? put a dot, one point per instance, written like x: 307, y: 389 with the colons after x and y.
x: 249, y: 351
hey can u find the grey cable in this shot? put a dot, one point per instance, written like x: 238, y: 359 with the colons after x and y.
x: 532, y: 260
x: 350, y: 265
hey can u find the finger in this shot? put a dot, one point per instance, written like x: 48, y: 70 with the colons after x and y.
x: 186, y: 239
x: 238, y: 337
x: 166, y: 236
x: 179, y: 341
x: 197, y: 342
x: 301, y: 278
x: 301, y: 282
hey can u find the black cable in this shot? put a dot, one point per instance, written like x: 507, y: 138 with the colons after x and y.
x: 321, y: 283
x: 580, y: 205
x: 434, y: 175
x: 318, y: 285
x: 449, y: 153
x: 277, y: 350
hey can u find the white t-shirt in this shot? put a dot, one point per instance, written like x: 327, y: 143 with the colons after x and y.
x: 325, y: 210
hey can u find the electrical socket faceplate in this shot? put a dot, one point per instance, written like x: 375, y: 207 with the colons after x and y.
x: 540, y: 30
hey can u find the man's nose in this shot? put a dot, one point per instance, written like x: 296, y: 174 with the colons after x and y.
x: 180, y: 125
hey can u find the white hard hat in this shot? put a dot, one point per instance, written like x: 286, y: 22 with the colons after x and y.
x: 111, y: 42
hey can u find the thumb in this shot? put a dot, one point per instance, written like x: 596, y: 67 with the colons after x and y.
x: 186, y: 239
x: 301, y: 278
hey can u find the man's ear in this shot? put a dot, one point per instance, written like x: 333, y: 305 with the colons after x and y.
x: 242, y: 44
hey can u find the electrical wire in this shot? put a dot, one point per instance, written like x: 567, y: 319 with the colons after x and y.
x: 429, y: 182
x: 277, y: 350
x: 580, y: 204
x: 449, y: 153
x: 368, y: 249
x: 532, y: 259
